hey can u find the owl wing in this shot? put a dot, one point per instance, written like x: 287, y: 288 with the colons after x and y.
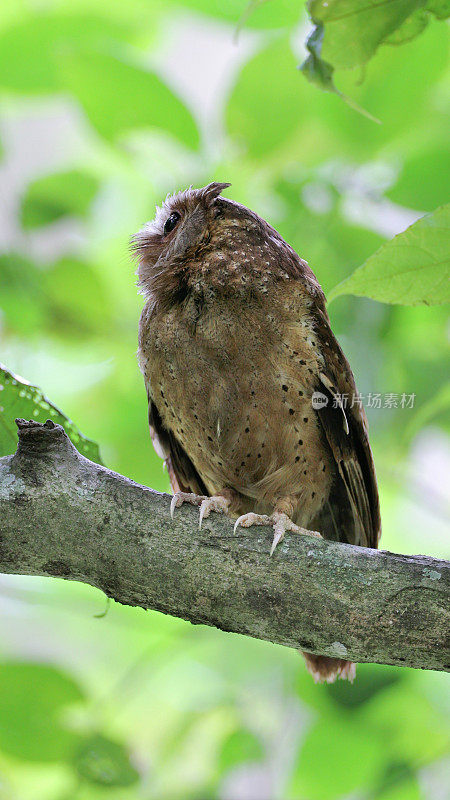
x: 182, y: 473
x: 346, y: 431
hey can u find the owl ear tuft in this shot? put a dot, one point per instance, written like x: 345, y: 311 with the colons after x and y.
x: 213, y: 190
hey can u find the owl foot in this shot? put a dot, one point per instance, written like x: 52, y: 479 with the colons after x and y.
x: 280, y: 523
x: 216, y: 503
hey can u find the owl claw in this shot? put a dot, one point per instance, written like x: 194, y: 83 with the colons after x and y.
x: 203, y: 513
x: 216, y: 503
x: 280, y: 523
x: 247, y: 520
x: 185, y: 497
x: 278, y: 536
x: 207, y: 504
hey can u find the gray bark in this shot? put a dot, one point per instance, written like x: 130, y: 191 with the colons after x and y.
x: 64, y: 516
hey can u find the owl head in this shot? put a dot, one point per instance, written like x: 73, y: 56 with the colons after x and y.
x: 200, y: 243
x: 182, y: 226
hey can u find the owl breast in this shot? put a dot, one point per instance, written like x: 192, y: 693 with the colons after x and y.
x: 233, y: 381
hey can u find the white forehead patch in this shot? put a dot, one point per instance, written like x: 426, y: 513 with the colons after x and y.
x: 170, y: 204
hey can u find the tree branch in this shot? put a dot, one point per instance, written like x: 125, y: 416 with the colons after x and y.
x: 64, y: 516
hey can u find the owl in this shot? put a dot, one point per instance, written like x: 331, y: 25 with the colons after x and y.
x: 245, y: 380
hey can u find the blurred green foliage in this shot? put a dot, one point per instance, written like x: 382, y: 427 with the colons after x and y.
x: 54, y: 196
x: 107, y: 106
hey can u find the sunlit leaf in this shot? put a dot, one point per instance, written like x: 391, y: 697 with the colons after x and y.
x: 412, y: 269
x: 355, y: 28
x: 101, y: 761
x: 54, y: 196
x: 320, y: 72
x: 418, y: 21
x: 118, y: 96
x: 347, y: 33
x: 410, y: 28
x: 32, y: 697
x: 19, y: 399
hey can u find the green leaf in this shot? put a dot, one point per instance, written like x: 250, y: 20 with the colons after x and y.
x: 355, y: 28
x: 440, y: 8
x: 314, y: 68
x: 320, y: 72
x: 410, y: 28
x: 18, y: 398
x: 54, y: 196
x: 347, y: 34
x: 32, y: 698
x: 106, y: 763
x: 119, y: 96
x: 411, y: 269
x: 418, y: 21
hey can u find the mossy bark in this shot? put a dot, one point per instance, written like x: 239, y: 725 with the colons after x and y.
x: 64, y: 516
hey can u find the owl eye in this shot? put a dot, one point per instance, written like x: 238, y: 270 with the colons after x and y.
x: 171, y: 222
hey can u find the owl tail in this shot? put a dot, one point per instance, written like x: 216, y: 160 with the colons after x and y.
x: 325, y: 669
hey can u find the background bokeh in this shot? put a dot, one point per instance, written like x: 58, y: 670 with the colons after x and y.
x: 105, y: 107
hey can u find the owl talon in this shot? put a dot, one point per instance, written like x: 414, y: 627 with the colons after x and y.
x: 280, y: 523
x: 216, y: 503
x: 173, y: 504
x: 207, y: 504
x: 278, y: 536
x: 185, y: 497
x: 247, y: 520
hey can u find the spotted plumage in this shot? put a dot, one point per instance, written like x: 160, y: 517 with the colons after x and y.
x: 234, y: 340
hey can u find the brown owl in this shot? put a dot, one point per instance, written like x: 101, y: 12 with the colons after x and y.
x: 245, y: 380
